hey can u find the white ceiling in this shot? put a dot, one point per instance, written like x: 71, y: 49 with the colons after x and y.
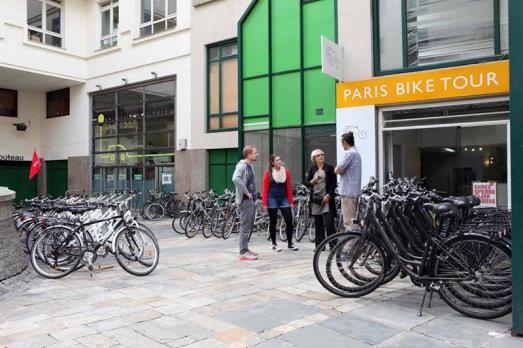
x: 33, y: 82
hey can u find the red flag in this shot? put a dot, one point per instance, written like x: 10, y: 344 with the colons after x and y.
x: 36, y: 165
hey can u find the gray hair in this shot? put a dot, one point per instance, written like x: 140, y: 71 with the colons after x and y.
x: 315, y: 153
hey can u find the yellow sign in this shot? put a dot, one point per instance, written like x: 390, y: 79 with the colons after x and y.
x: 463, y: 81
x: 101, y: 119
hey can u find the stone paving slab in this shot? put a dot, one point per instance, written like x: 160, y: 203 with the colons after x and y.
x: 202, y: 296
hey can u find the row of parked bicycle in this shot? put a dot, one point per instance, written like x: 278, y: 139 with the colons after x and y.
x: 217, y: 215
x: 62, y: 235
x: 448, y: 246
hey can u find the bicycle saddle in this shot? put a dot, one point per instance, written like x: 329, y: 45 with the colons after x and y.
x: 475, y: 201
x: 442, y: 210
x: 460, y: 202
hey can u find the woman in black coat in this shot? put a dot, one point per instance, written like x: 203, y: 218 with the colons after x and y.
x: 322, y: 183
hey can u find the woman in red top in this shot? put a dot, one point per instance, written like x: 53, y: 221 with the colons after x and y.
x: 277, y: 194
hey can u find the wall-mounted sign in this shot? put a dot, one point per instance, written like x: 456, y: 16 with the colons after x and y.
x: 137, y: 177
x: 11, y: 157
x: 331, y: 58
x: 110, y: 177
x: 97, y: 177
x: 463, y: 81
x: 486, y: 192
x: 122, y: 176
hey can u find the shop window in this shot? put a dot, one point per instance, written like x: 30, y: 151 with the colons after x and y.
x: 222, y: 164
x: 8, y: 103
x: 222, y: 87
x: 44, y: 21
x: 157, y: 16
x: 416, y: 33
x: 287, y: 143
x: 320, y: 137
x: 58, y: 103
x: 260, y: 140
x: 110, y: 18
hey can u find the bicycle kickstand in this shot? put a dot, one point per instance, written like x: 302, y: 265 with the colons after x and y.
x: 423, y: 301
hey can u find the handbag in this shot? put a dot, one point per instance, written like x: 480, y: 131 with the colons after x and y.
x: 317, y: 199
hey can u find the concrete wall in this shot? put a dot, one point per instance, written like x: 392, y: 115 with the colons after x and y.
x: 12, y: 258
x: 224, y: 15
x: 355, y: 35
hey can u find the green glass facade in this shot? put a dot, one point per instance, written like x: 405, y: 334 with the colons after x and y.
x: 283, y: 90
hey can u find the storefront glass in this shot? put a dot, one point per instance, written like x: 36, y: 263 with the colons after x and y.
x: 132, y: 128
x: 451, y: 156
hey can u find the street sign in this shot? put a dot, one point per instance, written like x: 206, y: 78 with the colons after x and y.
x: 331, y: 59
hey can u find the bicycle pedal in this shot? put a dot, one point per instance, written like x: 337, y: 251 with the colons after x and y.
x: 403, y: 274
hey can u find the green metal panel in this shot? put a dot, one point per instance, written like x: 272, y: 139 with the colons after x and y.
x: 286, y: 99
x: 15, y: 176
x: 285, y: 39
x: 256, y: 97
x: 319, y: 97
x: 516, y: 137
x: 318, y: 20
x: 255, y: 45
x: 56, y: 178
x: 221, y: 167
x: 256, y: 123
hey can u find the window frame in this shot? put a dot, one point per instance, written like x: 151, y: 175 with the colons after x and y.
x: 68, y: 111
x: 44, y: 30
x: 219, y: 60
x: 15, y: 92
x: 113, y: 33
x: 405, y: 68
x: 152, y: 22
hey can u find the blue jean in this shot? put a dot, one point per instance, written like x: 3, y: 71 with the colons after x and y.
x: 277, y: 202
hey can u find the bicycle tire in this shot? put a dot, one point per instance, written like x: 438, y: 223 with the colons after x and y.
x: 154, y: 211
x: 480, y: 307
x: 37, y: 253
x: 131, y: 234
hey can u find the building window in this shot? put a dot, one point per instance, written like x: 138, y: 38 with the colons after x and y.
x: 110, y: 20
x: 58, y: 103
x: 8, y: 103
x: 44, y: 21
x: 222, y: 87
x: 157, y: 16
x: 412, y: 33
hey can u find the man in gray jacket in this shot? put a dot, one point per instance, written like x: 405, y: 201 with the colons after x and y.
x: 243, y: 179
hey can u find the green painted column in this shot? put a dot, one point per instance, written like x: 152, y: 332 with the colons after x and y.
x: 516, y: 135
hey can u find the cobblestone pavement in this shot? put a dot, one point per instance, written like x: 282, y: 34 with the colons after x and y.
x: 202, y: 296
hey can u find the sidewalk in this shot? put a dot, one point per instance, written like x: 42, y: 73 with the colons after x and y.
x: 202, y: 296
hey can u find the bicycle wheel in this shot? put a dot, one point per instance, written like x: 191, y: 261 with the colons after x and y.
x: 136, y: 251
x: 344, y: 270
x: 173, y: 208
x: 217, y: 223
x: 281, y: 229
x: 230, y: 224
x: 142, y: 211
x: 178, y: 223
x: 154, y: 211
x: 56, y: 253
x: 483, y: 272
x: 311, y: 229
x: 193, y: 225
x: 301, y: 227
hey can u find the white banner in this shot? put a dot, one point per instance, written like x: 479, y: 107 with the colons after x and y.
x: 487, y: 192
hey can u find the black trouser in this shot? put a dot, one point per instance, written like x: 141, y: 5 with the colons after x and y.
x: 273, y: 217
x: 324, y: 224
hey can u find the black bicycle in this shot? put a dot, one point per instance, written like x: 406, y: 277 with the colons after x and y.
x: 405, y: 232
